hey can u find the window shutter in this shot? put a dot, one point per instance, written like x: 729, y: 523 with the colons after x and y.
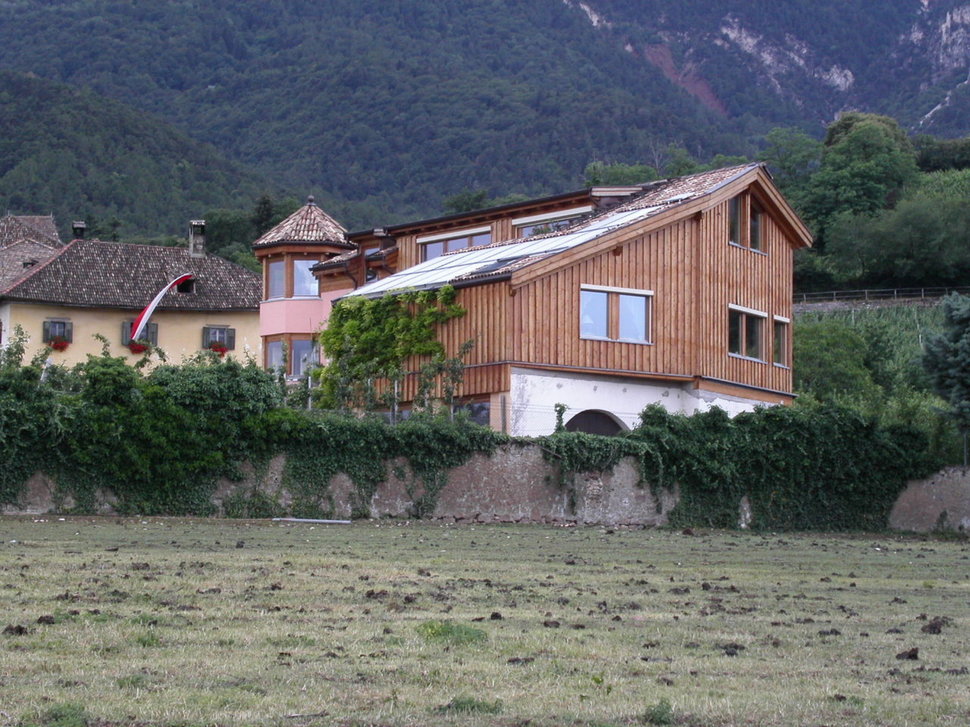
x: 125, y: 332
x: 206, y: 333
x: 69, y: 332
x: 231, y: 338
x: 152, y: 333
x: 47, y: 332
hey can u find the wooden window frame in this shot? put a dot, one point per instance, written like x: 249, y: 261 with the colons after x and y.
x: 781, y: 342
x: 614, y: 314
x: 287, y: 340
x: 746, y: 222
x: 288, y: 261
x: 454, y: 240
x: 741, y: 348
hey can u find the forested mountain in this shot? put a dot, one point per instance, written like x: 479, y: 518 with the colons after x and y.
x: 383, y: 108
x: 79, y: 156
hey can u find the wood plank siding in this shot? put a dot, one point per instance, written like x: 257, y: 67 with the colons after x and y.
x: 681, y: 260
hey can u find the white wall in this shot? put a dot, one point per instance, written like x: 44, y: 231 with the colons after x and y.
x: 534, y: 394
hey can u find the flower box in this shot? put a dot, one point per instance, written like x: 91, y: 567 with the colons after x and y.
x: 59, y: 343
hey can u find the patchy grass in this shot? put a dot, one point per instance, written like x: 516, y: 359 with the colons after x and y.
x: 167, y: 622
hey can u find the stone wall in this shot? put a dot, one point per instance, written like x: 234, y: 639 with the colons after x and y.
x: 516, y: 484
x: 940, y: 502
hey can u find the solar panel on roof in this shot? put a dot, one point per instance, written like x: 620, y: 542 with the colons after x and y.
x: 446, y: 268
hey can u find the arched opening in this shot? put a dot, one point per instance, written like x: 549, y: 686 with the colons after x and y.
x: 595, y: 422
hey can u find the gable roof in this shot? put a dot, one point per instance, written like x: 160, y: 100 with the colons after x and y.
x: 309, y: 224
x: 91, y: 273
x: 501, y: 259
x: 29, y: 228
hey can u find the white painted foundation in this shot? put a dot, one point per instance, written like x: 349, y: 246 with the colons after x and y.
x: 534, y: 395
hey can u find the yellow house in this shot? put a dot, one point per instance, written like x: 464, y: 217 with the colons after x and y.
x: 91, y: 288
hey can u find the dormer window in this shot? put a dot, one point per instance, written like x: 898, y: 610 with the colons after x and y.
x: 186, y: 286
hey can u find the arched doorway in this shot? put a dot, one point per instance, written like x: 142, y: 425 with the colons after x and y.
x: 592, y: 421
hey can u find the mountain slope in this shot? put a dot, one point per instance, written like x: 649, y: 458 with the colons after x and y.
x: 383, y: 107
x: 78, y: 156
x: 801, y: 62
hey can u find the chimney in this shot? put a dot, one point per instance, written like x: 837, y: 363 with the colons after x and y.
x: 78, y: 228
x: 197, y: 238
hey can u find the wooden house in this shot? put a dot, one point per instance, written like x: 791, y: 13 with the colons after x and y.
x: 677, y: 292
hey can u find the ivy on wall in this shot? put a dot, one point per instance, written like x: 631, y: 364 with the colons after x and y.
x: 368, y: 340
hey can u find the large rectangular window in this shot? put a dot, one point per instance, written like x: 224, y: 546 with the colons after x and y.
x: 746, y: 332
x: 304, y: 284
x: 434, y: 245
x: 276, y: 279
x: 614, y: 314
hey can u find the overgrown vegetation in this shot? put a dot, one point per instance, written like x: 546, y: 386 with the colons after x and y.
x: 156, y: 443
x: 369, y: 341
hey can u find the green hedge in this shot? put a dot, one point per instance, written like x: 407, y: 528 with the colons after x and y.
x: 160, y: 441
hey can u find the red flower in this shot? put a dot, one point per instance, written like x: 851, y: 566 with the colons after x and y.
x: 137, y: 346
x: 59, y: 343
x: 219, y: 348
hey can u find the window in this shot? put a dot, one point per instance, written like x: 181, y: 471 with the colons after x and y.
x: 276, y: 279
x: 594, y: 314
x: 186, y: 286
x: 222, y: 335
x: 434, y: 245
x: 548, y: 221
x: 779, y: 341
x: 304, y: 284
x: 303, y: 353
x: 746, y: 333
x: 754, y: 226
x: 734, y: 221
x: 150, y: 333
x: 614, y: 314
x: 746, y: 223
x: 60, y: 329
x: 274, y: 355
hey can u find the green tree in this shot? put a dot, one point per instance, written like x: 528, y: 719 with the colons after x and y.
x: 866, y: 162
x: 947, y: 360
x: 793, y: 156
x: 604, y: 174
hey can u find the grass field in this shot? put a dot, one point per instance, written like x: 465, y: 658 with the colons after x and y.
x: 175, y: 622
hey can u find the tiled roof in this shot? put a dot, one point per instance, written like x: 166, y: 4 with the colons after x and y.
x: 31, y: 228
x: 500, y: 259
x: 307, y: 224
x: 91, y: 273
x: 17, y: 259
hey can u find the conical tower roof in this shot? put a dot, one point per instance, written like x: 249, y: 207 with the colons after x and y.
x: 308, y: 225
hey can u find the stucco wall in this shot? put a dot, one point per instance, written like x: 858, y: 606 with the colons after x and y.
x: 179, y: 332
x: 534, y: 395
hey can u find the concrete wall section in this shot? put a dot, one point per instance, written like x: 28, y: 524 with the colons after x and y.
x: 535, y: 393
